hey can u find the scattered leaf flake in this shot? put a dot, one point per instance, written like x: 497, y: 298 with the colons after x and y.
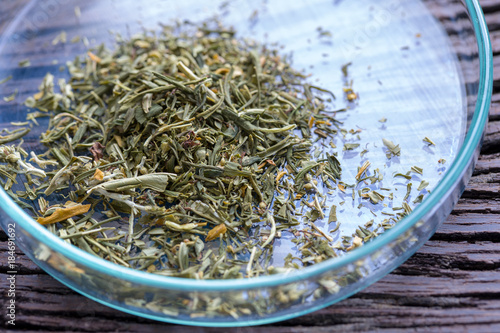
x: 62, y: 214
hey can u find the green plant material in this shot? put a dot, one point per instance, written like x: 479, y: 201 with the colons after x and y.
x: 198, y: 148
x: 392, y: 149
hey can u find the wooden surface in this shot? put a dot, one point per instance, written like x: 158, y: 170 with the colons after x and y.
x: 452, y: 284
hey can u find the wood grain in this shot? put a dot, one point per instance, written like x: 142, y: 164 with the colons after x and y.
x: 452, y: 284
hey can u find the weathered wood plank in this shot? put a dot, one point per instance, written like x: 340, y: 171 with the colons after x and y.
x: 493, y: 20
x: 495, y: 107
x: 482, y: 206
x: 23, y: 264
x: 424, y: 300
x: 9, y: 7
x: 469, y: 226
x: 491, y: 143
x: 487, y: 164
x: 495, y: 41
x: 460, y: 267
x: 451, y: 284
x: 479, y: 191
x: 490, y: 6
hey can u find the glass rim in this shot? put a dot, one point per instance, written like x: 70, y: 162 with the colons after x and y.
x: 451, y: 177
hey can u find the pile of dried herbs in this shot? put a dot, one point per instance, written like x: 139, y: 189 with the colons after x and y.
x: 198, y: 143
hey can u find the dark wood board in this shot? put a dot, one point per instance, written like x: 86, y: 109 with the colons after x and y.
x: 452, y: 284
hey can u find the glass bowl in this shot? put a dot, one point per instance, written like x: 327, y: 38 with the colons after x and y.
x: 426, y: 66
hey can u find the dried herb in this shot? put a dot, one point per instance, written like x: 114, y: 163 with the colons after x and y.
x: 189, y: 154
x: 62, y: 214
x: 24, y: 63
x: 185, y: 139
x: 78, y: 12
x: 429, y: 141
x: 11, y: 97
x: 392, y: 149
x: 7, y: 79
x: 14, y: 135
x: 423, y: 185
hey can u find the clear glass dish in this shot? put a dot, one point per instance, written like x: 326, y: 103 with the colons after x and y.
x: 426, y: 66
